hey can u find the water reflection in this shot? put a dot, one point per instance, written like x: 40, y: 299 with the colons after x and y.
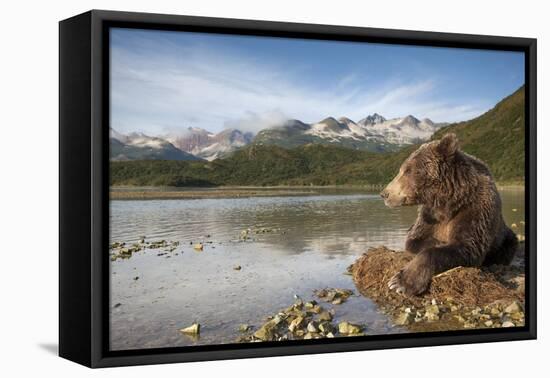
x: 326, y: 224
x: 314, y: 239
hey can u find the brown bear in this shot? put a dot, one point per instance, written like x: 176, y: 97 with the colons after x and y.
x: 459, y: 219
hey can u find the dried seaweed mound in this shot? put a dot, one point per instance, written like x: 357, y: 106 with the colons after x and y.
x: 459, y: 298
x: 469, y: 286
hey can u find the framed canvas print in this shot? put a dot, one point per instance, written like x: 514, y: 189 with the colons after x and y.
x: 234, y: 188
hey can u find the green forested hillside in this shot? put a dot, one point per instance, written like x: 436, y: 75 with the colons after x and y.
x: 497, y: 137
x: 253, y: 165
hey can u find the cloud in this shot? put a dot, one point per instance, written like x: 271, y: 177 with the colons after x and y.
x: 254, y: 122
x: 170, y: 88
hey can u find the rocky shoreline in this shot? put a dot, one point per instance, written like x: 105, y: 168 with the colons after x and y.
x: 305, y: 321
x: 461, y: 298
x: 123, y: 250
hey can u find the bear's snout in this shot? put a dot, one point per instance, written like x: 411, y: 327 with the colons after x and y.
x: 393, y: 194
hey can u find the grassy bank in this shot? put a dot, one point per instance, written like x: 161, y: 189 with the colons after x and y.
x: 129, y: 193
x: 197, y: 194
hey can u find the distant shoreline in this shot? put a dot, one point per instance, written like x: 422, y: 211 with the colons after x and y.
x: 149, y: 193
x: 129, y: 193
x: 510, y: 186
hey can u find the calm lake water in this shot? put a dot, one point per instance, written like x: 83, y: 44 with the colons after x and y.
x: 313, y: 240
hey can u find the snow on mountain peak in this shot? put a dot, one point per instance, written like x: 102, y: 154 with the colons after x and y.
x: 118, y: 136
x: 345, y: 120
x: 405, y: 130
x: 372, y: 119
x: 207, y: 145
x: 410, y: 119
x: 138, y: 139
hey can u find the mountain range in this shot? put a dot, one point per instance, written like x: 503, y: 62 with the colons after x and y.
x: 209, y: 146
x: 138, y: 146
x: 497, y: 137
x: 373, y: 133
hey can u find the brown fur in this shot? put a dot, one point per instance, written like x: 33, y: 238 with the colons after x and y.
x: 459, y: 219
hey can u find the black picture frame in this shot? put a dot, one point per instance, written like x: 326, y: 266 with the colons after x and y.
x: 84, y: 193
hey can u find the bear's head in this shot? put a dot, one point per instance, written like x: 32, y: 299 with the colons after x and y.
x: 423, y: 174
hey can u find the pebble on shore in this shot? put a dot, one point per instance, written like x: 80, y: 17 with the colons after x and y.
x: 193, y: 329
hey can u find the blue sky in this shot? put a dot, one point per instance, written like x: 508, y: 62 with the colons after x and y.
x: 162, y: 81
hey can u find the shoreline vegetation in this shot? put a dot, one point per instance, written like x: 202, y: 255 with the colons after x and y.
x: 137, y: 193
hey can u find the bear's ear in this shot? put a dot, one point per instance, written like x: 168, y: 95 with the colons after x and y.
x: 448, y: 145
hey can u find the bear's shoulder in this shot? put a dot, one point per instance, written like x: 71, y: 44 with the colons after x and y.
x: 479, y: 166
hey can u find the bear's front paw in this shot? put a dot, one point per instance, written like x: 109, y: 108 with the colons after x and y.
x: 411, y: 280
x: 395, y: 283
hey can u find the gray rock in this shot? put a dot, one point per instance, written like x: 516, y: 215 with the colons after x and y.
x: 404, y: 318
x: 513, y: 308
x: 326, y: 327
x: 295, y: 324
x: 267, y: 331
x: 347, y: 328
x: 432, y: 312
x: 193, y: 329
x: 244, y: 328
